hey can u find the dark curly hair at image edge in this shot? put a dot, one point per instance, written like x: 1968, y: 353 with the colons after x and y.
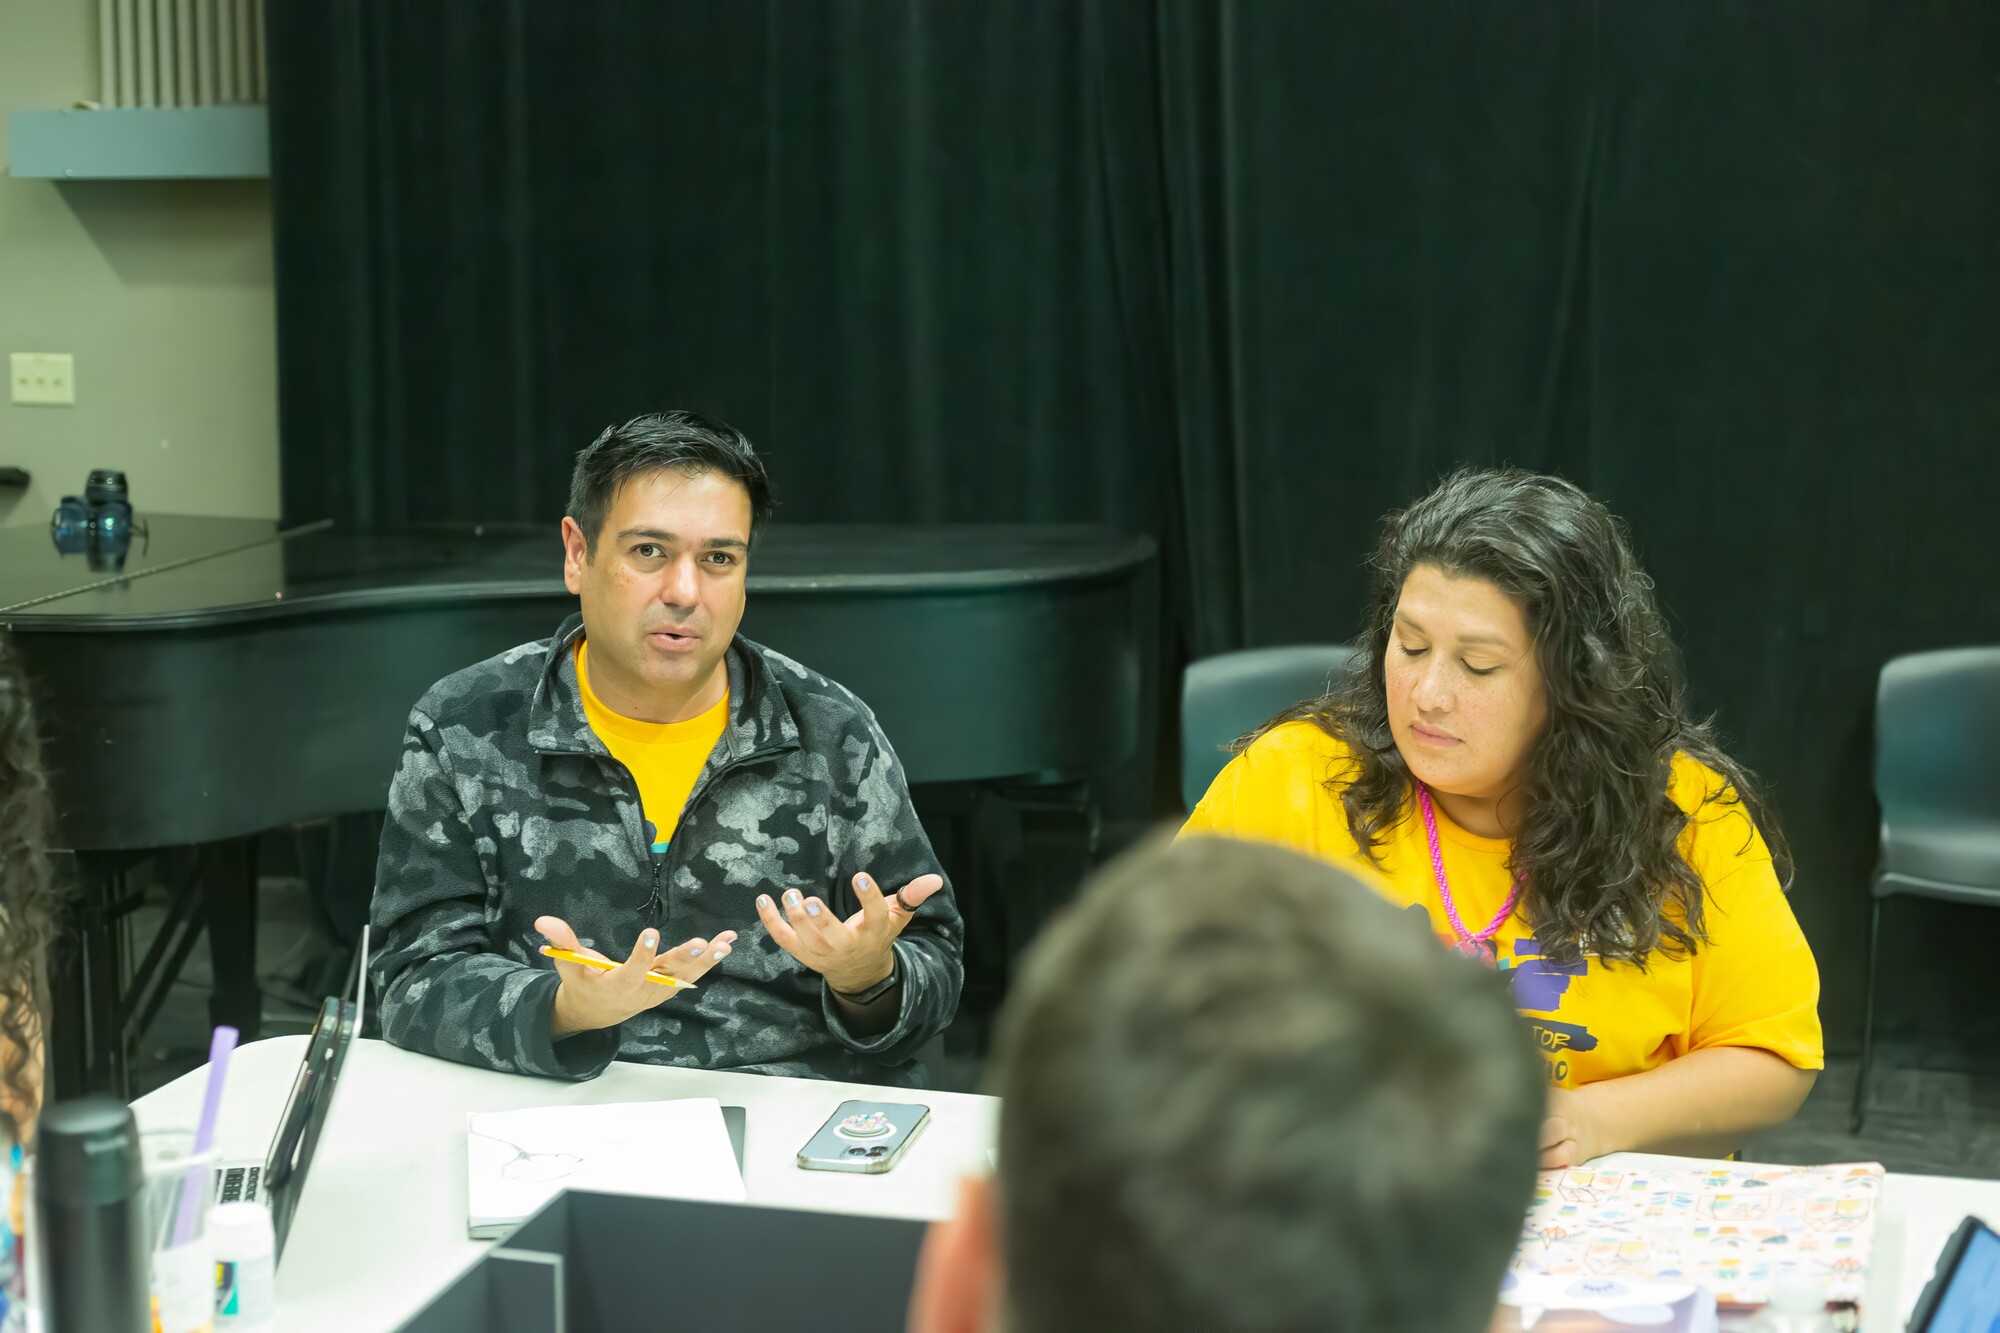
x: 1599, y: 841
x: 27, y: 899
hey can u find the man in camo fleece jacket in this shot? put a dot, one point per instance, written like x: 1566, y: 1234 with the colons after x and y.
x: 648, y: 771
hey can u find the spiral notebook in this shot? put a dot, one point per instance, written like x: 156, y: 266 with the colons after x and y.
x: 516, y: 1161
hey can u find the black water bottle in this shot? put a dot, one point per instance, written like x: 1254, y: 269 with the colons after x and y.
x: 90, y: 1229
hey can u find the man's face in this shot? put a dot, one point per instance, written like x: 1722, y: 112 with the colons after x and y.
x: 662, y: 592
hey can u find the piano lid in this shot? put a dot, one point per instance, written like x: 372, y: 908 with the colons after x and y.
x: 187, y: 574
x: 33, y: 571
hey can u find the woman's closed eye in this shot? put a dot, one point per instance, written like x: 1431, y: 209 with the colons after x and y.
x: 1408, y: 651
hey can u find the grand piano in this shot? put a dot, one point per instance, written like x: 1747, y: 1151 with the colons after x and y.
x: 235, y: 677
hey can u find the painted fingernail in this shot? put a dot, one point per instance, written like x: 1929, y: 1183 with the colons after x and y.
x: 812, y: 909
x: 649, y: 939
x: 864, y: 881
x: 694, y: 953
x: 793, y: 899
x: 763, y: 902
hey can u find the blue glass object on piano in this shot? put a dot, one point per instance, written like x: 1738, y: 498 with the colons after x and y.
x: 99, y: 524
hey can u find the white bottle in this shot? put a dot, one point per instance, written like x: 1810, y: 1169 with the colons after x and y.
x: 245, y: 1268
x: 1798, y: 1305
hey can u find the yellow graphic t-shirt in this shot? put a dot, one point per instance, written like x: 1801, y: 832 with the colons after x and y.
x: 666, y: 758
x: 1753, y: 984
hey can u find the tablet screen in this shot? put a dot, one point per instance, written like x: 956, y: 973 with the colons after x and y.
x: 1971, y: 1303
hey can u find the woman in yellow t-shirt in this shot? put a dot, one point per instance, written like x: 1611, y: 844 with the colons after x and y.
x: 1516, y: 757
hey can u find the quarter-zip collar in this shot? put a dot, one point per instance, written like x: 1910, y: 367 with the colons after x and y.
x: 760, y: 722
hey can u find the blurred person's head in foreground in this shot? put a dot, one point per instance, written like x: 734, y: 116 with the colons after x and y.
x: 1241, y: 1091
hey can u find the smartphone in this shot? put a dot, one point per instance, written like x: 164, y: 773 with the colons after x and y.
x: 1964, y: 1293
x: 863, y: 1136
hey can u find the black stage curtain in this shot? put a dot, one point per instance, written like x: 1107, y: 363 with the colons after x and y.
x: 1239, y: 275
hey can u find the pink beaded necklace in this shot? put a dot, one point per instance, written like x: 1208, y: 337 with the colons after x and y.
x: 1473, y: 944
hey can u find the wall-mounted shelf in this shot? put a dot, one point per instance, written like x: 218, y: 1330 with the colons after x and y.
x: 140, y: 143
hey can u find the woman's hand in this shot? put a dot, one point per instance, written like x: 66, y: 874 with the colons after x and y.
x: 1570, y: 1137
x: 1706, y: 1103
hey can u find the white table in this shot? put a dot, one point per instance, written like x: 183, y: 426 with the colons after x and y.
x: 381, y: 1229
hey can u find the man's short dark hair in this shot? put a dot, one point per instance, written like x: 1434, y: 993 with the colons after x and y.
x: 684, y: 440
x: 1240, y: 1091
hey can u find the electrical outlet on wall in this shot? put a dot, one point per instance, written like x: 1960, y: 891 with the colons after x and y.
x: 43, y: 379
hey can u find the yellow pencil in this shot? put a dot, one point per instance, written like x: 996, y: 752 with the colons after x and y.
x: 605, y: 965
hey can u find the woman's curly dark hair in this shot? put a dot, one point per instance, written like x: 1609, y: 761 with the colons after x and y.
x: 27, y: 898
x: 1599, y: 842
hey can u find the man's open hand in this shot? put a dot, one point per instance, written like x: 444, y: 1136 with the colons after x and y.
x: 589, y: 999
x: 853, y: 954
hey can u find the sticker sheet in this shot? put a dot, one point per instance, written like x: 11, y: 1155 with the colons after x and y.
x: 1730, y: 1229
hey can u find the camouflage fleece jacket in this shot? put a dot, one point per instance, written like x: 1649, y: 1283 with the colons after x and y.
x: 507, y: 807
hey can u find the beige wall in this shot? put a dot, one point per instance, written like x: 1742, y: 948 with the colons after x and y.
x: 162, y: 292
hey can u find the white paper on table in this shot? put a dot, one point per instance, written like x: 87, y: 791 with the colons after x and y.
x: 516, y: 1161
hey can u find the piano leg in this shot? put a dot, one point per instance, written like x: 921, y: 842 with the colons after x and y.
x: 229, y: 909
x: 1016, y: 853
x: 87, y: 1022
x: 69, y: 997
x: 105, y: 962
x: 94, y: 1018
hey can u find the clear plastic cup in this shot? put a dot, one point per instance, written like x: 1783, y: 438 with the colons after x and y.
x: 177, y: 1237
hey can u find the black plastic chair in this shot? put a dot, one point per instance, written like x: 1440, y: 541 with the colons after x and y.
x: 1937, y: 777
x: 1232, y: 694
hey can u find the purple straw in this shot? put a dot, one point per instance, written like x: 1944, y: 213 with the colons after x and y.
x: 196, y: 1183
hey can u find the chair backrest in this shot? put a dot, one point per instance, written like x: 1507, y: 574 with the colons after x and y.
x: 1232, y: 694
x: 1937, y: 736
